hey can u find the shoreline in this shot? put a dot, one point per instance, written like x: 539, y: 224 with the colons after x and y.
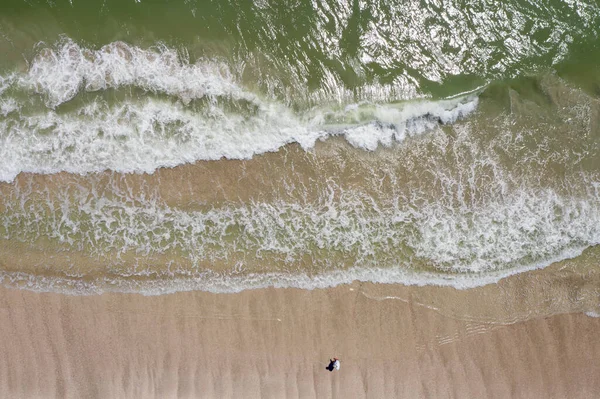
x: 566, y: 286
x: 233, y: 284
x: 277, y: 342
x: 208, y: 199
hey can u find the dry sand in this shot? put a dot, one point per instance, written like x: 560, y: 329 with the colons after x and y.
x: 275, y: 343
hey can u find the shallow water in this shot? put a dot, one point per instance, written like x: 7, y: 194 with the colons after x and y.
x: 150, y: 147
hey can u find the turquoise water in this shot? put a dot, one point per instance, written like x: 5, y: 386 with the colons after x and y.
x: 429, y: 142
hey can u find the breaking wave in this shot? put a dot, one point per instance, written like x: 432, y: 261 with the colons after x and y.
x: 204, y: 114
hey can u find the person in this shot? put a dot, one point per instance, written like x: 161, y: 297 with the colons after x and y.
x: 334, y: 364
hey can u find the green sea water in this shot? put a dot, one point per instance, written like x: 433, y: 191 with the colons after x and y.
x: 418, y: 142
x: 438, y: 48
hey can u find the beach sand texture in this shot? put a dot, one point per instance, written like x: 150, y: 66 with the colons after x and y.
x: 276, y: 343
x: 211, y: 199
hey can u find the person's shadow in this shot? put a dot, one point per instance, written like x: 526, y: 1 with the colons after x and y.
x: 331, y: 363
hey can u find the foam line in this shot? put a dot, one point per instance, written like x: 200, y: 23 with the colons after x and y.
x: 141, y: 134
x: 220, y: 284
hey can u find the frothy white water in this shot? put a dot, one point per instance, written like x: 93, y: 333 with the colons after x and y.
x: 345, y: 239
x: 224, y: 283
x: 6, y: 82
x: 397, y: 123
x: 60, y: 73
x: 465, y: 214
x: 521, y: 228
x: 8, y: 105
x: 141, y: 134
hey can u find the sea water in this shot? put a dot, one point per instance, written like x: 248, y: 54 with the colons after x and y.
x: 153, y: 147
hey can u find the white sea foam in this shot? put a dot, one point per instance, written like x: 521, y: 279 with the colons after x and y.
x: 520, y: 231
x: 470, y: 243
x: 139, y: 137
x: 61, y: 72
x: 8, y: 105
x: 7, y: 81
x: 143, y: 134
x: 522, y: 226
x: 413, y: 118
x: 220, y: 283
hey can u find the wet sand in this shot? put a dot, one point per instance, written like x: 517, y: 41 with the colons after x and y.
x: 525, y: 337
x: 275, y: 343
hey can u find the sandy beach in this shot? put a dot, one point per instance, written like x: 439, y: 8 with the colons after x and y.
x: 211, y: 199
x: 275, y: 343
